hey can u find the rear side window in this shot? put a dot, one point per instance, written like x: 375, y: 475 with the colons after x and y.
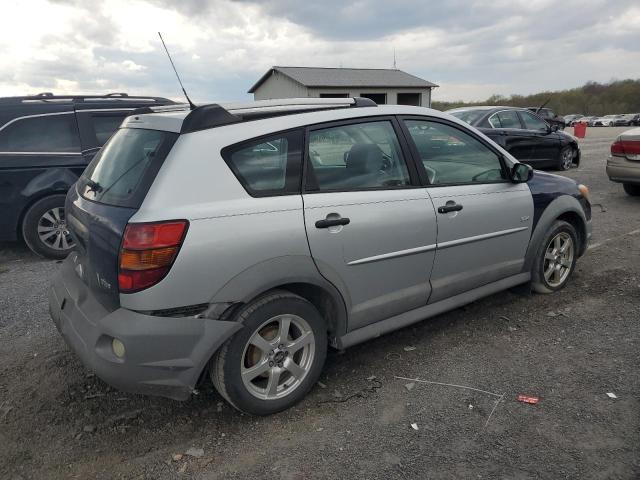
x: 125, y: 167
x: 268, y: 166
x: 44, y: 134
x: 356, y: 156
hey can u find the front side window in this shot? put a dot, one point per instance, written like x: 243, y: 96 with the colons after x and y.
x: 355, y: 157
x: 44, y: 134
x: 505, y: 119
x: 532, y: 122
x: 451, y: 156
x: 268, y: 166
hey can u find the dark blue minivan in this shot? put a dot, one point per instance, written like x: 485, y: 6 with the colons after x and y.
x: 46, y: 141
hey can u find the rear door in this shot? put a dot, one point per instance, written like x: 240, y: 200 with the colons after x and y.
x: 484, y: 221
x: 103, y: 200
x: 371, y: 227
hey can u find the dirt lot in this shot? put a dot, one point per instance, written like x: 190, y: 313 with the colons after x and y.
x: 570, y: 349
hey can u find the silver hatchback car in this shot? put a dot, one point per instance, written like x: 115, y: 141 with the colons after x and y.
x: 240, y: 241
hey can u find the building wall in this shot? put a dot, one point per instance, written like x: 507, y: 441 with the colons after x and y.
x: 281, y: 86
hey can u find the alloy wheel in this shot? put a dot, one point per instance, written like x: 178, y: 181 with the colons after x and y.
x: 567, y: 158
x: 558, y: 259
x: 53, y: 231
x: 278, y: 356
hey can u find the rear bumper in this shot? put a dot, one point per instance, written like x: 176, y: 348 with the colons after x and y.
x: 621, y: 170
x: 163, y: 355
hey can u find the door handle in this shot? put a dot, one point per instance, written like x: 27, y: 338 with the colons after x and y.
x: 332, y: 222
x: 450, y: 207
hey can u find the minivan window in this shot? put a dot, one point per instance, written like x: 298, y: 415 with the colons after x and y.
x: 356, y: 156
x: 451, y: 156
x: 125, y: 167
x: 104, y: 126
x: 41, y: 134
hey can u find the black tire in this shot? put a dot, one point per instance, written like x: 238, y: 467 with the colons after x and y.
x: 565, y: 159
x: 631, y: 189
x: 539, y: 283
x: 35, y: 217
x: 226, y: 364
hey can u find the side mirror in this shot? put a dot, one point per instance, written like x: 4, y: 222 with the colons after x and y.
x: 521, y: 173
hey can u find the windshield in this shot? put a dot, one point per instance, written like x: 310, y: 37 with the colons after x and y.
x: 469, y: 116
x: 123, y: 170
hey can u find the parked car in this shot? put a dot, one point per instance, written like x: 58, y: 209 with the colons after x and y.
x: 549, y: 116
x: 238, y: 242
x: 588, y: 120
x: 572, y: 119
x: 623, y: 166
x: 46, y: 141
x: 606, y: 121
x: 626, y: 120
x: 524, y: 135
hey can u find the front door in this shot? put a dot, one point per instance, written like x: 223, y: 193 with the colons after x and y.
x: 547, y: 143
x: 371, y: 227
x: 508, y: 132
x: 484, y: 220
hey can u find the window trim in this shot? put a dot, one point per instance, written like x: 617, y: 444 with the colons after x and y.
x: 293, y: 173
x: 78, y: 151
x: 414, y: 175
x: 418, y: 161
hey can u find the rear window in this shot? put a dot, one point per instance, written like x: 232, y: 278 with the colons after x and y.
x: 123, y: 170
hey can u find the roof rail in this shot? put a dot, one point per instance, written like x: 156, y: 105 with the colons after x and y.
x: 215, y: 115
x: 48, y: 97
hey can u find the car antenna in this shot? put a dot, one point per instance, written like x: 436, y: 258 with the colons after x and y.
x: 543, y: 105
x: 191, y: 104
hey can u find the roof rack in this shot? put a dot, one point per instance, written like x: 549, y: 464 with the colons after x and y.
x: 48, y: 97
x: 215, y: 115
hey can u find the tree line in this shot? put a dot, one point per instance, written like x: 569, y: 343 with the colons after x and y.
x: 593, y: 98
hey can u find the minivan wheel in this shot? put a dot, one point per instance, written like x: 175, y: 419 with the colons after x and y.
x: 44, y: 228
x: 566, y: 158
x: 273, y: 362
x: 556, y: 258
x: 631, y: 189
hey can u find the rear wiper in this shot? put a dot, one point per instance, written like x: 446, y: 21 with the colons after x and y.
x: 94, y: 186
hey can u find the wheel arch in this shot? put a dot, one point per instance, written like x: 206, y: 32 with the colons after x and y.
x: 566, y: 208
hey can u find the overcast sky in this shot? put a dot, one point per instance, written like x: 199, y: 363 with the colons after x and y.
x: 472, y: 48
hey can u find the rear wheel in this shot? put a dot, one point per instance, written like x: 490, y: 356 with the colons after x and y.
x: 44, y: 228
x: 566, y: 158
x: 631, y: 189
x: 556, y: 258
x: 273, y: 362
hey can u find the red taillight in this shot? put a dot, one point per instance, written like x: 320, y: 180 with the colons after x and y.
x: 626, y: 148
x: 147, y: 253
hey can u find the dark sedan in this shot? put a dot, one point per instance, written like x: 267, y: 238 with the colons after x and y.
x: 524, y: 135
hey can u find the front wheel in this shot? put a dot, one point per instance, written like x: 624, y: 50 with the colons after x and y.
x: 566, y: 158
x: 556, y: 258
x: 631, y: 189
x: 44, y: 228
x: 273, y: 362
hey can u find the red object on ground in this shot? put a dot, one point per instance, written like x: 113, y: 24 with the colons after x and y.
x: 580, y: 129
x: 527, y: 399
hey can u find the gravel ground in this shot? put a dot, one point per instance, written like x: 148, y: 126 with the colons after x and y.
x: 58, y: 421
